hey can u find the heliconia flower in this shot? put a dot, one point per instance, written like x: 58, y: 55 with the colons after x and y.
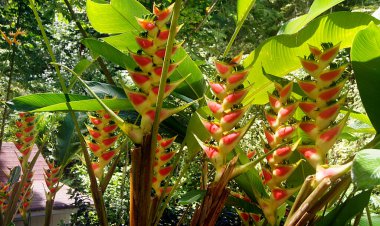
x: 251, y: 154
x: 283, y: 153
x: 330, y: 94
x: 267, y: 176
x: 211, y: 151
x: 283, y: 114
x: 324, y: 103
x: 143, y: 61
x: 311, y: 154
x: 328, y: 137
x: 159, y: 54
x: 279, y: 136
x: 4, y: 195
x: 163, y: 15
x: 284, y: 92
x: 309, y: 88
x: 169, y: 88
x: 244, y: 216
x: 161, y: 168
x: 212, y: 127
x: 231, y: 138
x: 326, y: 115
x: 218, y: 89
x: 157, y: 71
x: 142, y: 80
x: 52, y: 177
x: 147, y: 76
x: 236, y: 79
x: 147, y: 118
x: 26, y: 135
x: 315, y: 67
x: 326, y: 78
x: 309, y: 108
x: 282, y: 172
x: 134, y: 132
x: 332, y: 172
x: 280, y: 195
x: 268, y: 206
x: 227, y: 110
x: 26, y: 196
x: 101, y: 140
x: 234, y: 98
x: 231, y: 118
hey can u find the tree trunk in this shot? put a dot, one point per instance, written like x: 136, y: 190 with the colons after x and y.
x: 141, y: 185
x: 213, y: 202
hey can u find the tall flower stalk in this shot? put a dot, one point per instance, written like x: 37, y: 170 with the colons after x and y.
x: 227, y: 110
x: 322, y: 106
x: 53, y: 175
x: 280, y: 136
x: 150, y: 161
x: 101, y: 141
x: 17, y: 197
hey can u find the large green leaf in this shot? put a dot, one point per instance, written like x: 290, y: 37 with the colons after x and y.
x: 375, y: 220
x: 40, y: 100
x: 191, y: 197
x: 278, y: 55
x: 50, y: 102
x: 366, y: 169
x: 194, y: 86
x: 109, y: 52
x: 243, y: 8
x: 343, y: 213
x: 104, y: 89
x: 66, y: 146
x: 116, y: 17
x: 365, y: 56
x: 317, y: 8
x: 89, y: 105
x: 124, y: 41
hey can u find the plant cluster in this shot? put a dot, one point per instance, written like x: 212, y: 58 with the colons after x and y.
x: 302, y: 119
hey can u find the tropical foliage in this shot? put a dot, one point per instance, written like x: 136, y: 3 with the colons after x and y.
x: 252, y: 117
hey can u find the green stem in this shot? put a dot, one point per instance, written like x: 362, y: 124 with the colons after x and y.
x: 48, y: 210
x: 238, y: 27
x: 161, y: 90
x: 165, y: 69
x: 368, y: 216
x: 96, y: 192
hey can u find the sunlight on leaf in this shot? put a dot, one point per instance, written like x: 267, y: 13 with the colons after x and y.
x: 279, y: 55
x: 365, y: 56
x: 317, y: 8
